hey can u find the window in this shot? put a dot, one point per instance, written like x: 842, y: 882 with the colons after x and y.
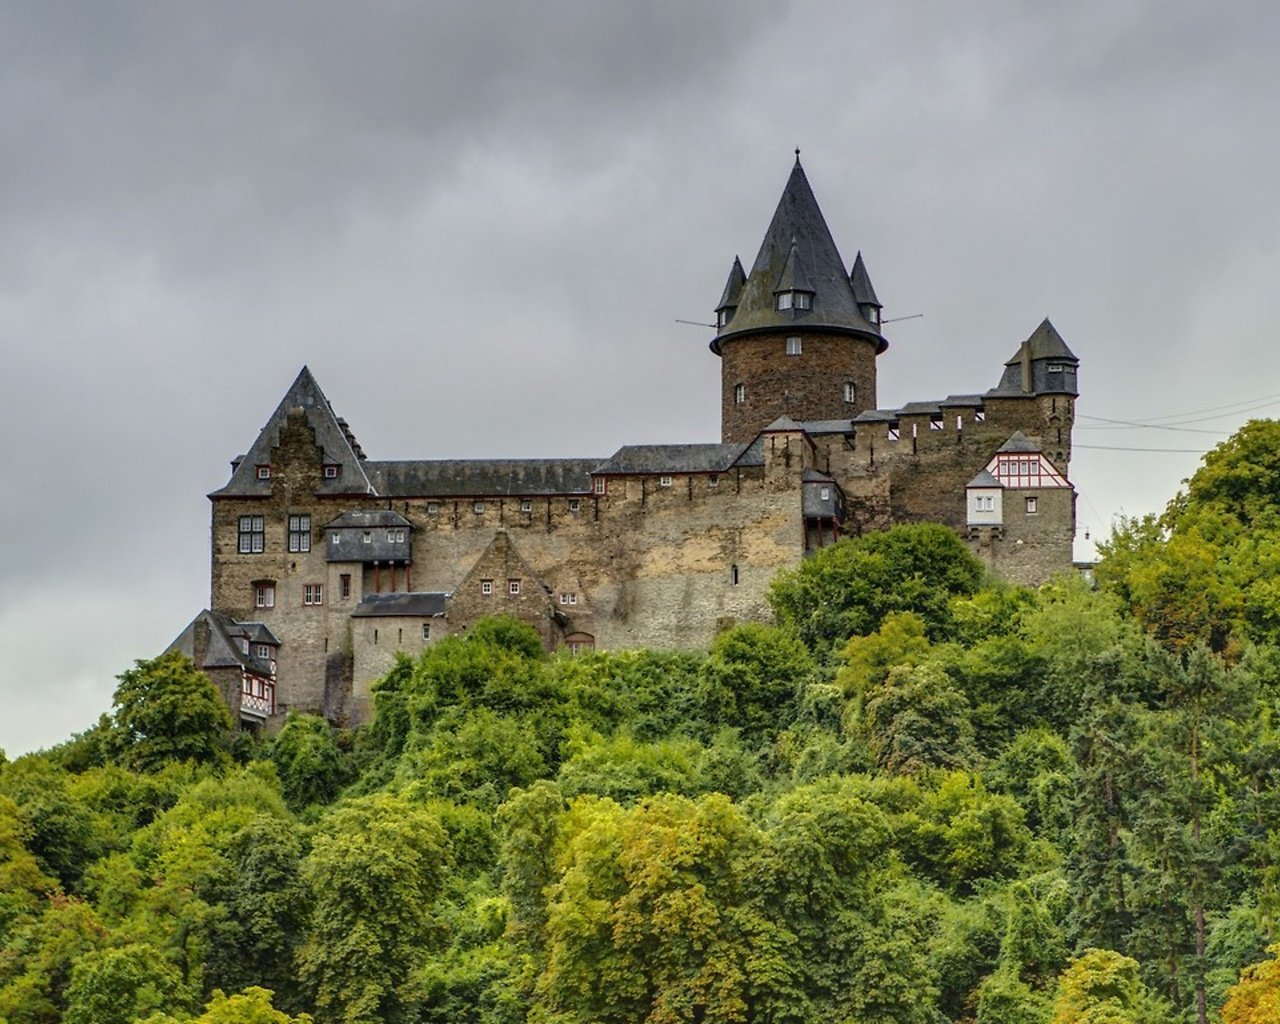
x: 1055, y: 368
x: 568, y: 598
x: 526, y: 506
x: 331, y: 472
x: 664, y: 481
x: 313, y: 593
x: 599, y: 484
x: 739, y: 394
x: 486, y: 587
x: 299, y: 533
x: 793, y: 300
x: 368, y: 536
x: 824, y: 494
x: 433, y: 508
x: 264, y: 594
x: 575, y: 505
x: 262, y: 651
x: 252, y: 535
x: 344, y: 585
x: 713, y: 480
x: 803, y: 300
x: 477, y: 507
x: 513, y: 586
x: 426, y: 631
x: 335, y: 539
x: 395, y: 536
x: 722, y: 317
x: 264, y: 472
x: 850, y: 392
x: 893, y: 432
x: 784, y: 300
x: 935, y: 422
x: 1032, y: 506
x: 794, y: 346
x: 984, y: 503
x: 979, y: 416
x: 733, y: 575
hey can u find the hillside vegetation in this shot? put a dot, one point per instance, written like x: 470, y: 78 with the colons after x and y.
x: 920, y: 798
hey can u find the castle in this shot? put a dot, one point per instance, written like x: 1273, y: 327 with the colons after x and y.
x: 325, y: 563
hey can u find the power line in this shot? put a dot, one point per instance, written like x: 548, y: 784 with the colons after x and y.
x: 1117, y: 448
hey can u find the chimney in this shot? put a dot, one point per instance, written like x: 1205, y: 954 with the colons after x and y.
x: 1025, y: 353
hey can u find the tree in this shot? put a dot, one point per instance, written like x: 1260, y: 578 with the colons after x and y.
x: 753, y: 677
x: 917, y: 720
x: 373, y: 874
x: 118, y: 986
x: 313, y: 769
x: 23, y: 885
x: 252, y: 1006
x: 848, y: 588
x: 1103, y: 987
x: 1256, y: 999
x: 167, y: 710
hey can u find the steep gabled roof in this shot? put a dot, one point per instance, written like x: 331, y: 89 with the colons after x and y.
x: 984, y: 479
x: 1018, y: 442
x: 335, y: 442
x: 798, y: 225
x: 223, y: 648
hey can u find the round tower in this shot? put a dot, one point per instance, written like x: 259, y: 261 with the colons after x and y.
x: 798, y: 336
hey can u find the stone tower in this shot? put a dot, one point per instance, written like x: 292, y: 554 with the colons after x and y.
x: 799, y: 335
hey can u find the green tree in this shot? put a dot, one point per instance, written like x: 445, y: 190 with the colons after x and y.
x: 848, y: 588
x: 118, y: 986
x: 1103, y: 987
x: 374, y: 873
x: 312, y: 767
x: 753, y: 677
x: 252, y: 1006
x: 917, y: 720
x: 167, y: 710
x: 35, y: 964
x: 23, y: 885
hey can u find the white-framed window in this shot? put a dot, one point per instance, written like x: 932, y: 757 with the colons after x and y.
x: 984, y: 503
x: 477, y: 507
x: 893, y: 432
x: 331, y: 472
x: 1033, y: 506
x: 264, y: 594
x: 368, y: 536
x: 824, y: 494
x: 486, y: 587
x: 252, y: 535
x: 850, y: 392
x: 664, y: 481
x: 262, y: 651
x: 599, y: 485
x: 793, y: 300
x: 722, y: 317
x: 713, y: 480
x: 935, y: 422
x: 568, y: 598
x: 739, y: 394
x: 979, y: 416
x: 526, y: 505
x: 513, y: 586
x: 264, y: 472
x: 575, y: 505
x: 426, y: 631
x: 395, y: 536
x: 794, y: 346
x: 313, y: 593
x: 433, y: 508
x: 1056, y: 367
x: 299, y: 533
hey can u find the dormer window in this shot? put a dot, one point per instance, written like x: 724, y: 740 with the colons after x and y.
x: 331, y: 472
x: 872, y: 313
x: 793, y: 299
x: 723, y: 316
x: 264, y: 472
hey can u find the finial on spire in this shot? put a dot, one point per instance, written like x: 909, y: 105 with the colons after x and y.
x: 797, y: 154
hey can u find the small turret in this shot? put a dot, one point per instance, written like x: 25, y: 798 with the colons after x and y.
x: 732, y: 292
x: 863, y: 292
x: 1043, y: 365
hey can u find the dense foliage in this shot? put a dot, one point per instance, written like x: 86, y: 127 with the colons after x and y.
x: 921, y: 798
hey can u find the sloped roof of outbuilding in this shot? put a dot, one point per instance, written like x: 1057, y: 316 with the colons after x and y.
x: 1018, y: 442
x: 984, y: 479
x: 477, y: 478
x: 367, y: 520
x: 411, y: 605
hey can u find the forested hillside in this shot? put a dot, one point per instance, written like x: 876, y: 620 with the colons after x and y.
x: 920, y: 797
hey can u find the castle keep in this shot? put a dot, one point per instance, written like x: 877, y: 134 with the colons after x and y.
x: 326, y: 562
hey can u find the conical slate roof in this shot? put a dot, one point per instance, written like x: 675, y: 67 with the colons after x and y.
x: 335, y: 442
x: 863, y: 293
x: 733, y: 286
x: 798, y: 224
x: 1045, y: 343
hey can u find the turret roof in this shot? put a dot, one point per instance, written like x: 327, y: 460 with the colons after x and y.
x: 733, y: 286
x: 863, y: 292
x: 798, y: 239
x: 1045, y: 343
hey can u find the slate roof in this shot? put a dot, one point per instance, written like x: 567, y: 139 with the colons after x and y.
x: 733, y: 286
x: 672, y: 458
x: 798, y: 247
x: 876, y: 416
x: 965, y: 401
x: 921, y: 409
x: 368, y: 520
x: 863, y: 293
x: 458, y: 478
x: 416, y: 605
x: 816, y: 427
x: 984, y: 479
x: 784, y: 424
x: 332, y: 435
x: 224, y: 650
x: 1018, y: 442
x: 1046, y: 343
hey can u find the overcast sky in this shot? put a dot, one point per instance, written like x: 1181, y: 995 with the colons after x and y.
x: 478, y: 224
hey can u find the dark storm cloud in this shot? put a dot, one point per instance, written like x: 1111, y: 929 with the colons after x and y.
x: 479, y: 222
